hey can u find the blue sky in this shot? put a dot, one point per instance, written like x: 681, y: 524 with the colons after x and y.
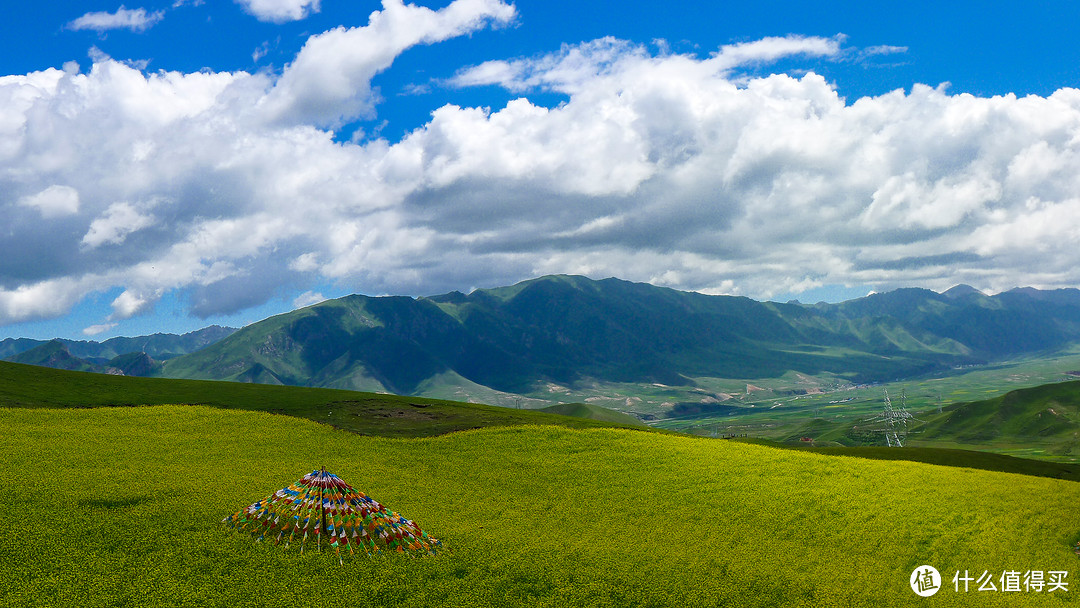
x: 167, y: 165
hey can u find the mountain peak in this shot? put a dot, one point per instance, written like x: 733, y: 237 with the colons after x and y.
x: 961, y: 291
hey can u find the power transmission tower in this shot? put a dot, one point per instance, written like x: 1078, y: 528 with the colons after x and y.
x: 894, y: 420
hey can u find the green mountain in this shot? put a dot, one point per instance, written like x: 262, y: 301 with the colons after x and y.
x: 159, y: 346
x: 55, y: 354
x: 1047, y: 416
x: 570, y: 330
x: 127, y: 356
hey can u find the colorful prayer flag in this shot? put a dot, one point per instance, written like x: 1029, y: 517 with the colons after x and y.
x: 330, y: 504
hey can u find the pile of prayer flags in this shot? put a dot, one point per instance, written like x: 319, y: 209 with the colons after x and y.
x: 321, y: 509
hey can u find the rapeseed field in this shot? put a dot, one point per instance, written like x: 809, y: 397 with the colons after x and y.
x: 122, y: 507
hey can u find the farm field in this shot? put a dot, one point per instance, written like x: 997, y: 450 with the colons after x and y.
x: 121, y: 506
x: 827, y: 409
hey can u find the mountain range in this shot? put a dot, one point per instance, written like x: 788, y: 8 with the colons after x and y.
x: 138, y: 356
x: 568, y: 330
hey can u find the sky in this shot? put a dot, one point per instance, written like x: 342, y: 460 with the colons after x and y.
x: 167, y: 165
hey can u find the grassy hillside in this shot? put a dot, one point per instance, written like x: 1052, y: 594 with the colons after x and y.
x: 1041, y: 421
x: 592, y: 412
x: 394, y: 416
x: 1041, y: 412
x: 121, y: 506
x: 987, y: 461
x: 804, y: 406
x: 29, y: 386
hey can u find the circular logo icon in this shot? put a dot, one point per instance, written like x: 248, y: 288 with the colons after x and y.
x: 925, y: 581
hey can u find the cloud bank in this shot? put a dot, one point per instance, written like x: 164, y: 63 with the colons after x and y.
x: 674, y: 169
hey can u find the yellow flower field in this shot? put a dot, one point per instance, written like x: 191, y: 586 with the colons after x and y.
x: 122, y: 507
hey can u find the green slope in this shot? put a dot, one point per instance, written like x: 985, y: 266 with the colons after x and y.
x: 1046, y: 416
x: 592, y: 412
x: 26, y: 386
x: 972, y: 459
x: 122, y: 506
x: 55, y: 354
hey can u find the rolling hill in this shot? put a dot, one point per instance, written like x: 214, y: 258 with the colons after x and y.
x: 122, y: 506
x: 1046, y: 417
x: 34, y: 387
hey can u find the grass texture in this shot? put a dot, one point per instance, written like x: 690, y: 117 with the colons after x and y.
x: 122, y: 507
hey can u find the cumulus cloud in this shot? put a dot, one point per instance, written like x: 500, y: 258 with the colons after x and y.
x: 329, y: 81
x: 119, y: 220
x: 136, y: 20
x: 227, y: 189
x: 54, y: 201
x: 280, y: 11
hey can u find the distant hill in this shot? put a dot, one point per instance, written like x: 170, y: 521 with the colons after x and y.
x: 1041, y: 415
x: 137, y: 356
x: 570, y: 329
x: 592, y: 412
x: 55, y: 354
x: 1044, y: 421
x: 159, y: 346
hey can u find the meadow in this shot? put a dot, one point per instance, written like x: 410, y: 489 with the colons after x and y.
x: 122, y: 507
x: 826, y: 409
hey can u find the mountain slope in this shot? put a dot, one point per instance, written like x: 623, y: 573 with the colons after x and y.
x: 1041, y: 415
x: 55, y: 354
x: 568, y: 329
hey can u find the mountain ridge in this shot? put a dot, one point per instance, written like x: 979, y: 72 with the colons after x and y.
x: 137, y: 356
x: 566, y: 329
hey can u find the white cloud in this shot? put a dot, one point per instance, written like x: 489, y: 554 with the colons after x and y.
x: 119, y: 220
x: 54, y: 201
x: 883, y: 49
x: 668, y: 168
x: 261, y: 51
x: 307, y: 299
x: 280, y: 11
x: 94, y: 330
x: 772, y: 48
x: 130, y: 303
x: 330, y: 79
x: 136, y: 20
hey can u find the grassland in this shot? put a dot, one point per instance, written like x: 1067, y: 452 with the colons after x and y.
x: 394, y: 416
x: 121, y: 506
x: 364, y: 413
